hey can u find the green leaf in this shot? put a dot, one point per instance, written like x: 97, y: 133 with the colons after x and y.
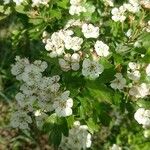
x: 143, y: 103
x: 63, y: 3
x: 63, y: 125
x: 55, y: 136
x: 99, y: 91
x: 93, y: 127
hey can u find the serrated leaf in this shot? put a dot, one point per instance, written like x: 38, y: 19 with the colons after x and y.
x: 55, y: 136
x: 99, y: 91
x: 92, y: 126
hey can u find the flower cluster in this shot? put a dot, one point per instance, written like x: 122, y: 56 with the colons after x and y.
x: 119, y: 14
x: 63, y: 43
x: 79, y: 138
x: 118, y: 83
x: 138, y: 89
x: 38, y: 92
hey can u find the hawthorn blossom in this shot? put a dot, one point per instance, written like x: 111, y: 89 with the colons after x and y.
x: 118, y: 14
x: 70, y: 62
x: 133, y: 71
x: 39, y: 2
x: 20, y: 119
x: 115, y: 147
x: 76, y: 7
x: 73, y: 43
x: 118, y: 83
x: 133, y: 6
x: 139, y: 91
x: 148, y: 70
x: 18, y: 2
x: 91, y: 69
x: 63, y: 104
x: 142, y: 116
x: 79, y: 138
x: 101, y: 49
x: 90, y: 31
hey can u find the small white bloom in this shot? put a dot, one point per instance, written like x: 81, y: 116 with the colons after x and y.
x: 134, y: 75
x: 76, y: 7
x: 129, y: 33
x: 148, y: 70
x: 70, y: 62
x: 76, y: 10
x: 109, y: 2
x: 115, y: 147
x: 39, y: 2
x: 73, y: 43
x: 37, y: 113
x: 142, y: 116
x: 101, y: 49
x: 118, y: 14
x: 90, y: 31
x: 73, y: 22
x: 118, y: 83
x: 18, y: 2
x: 140, y: 91
x: 20, y: 119
x: 91, y: 69
x: 133, y: 6
x: 148, y: 26
x: 79, y: 138
x: 63, y: 105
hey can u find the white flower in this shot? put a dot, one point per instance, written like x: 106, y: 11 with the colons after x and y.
x: 115, y: 147
x: 31, y: 75
x: 148, y: 26
x: 76, y: 7
x: 6, y: 2
x: 18, y: 68
x: 134, y: 75
x: 133, y: 66
x: 142, y: 116
x: 39, y: 2
x: 73, y: 22
x: 133, y: 72
x: 133, y: 6
x: 91, y: 69
x: 73, y: 43
x: 70, y: 62
x: 90, y: 31
x: 20, y: 119
x: 63, y: 105
x: 140, y: 91
x: 118, y: 83
x: 129, y: 33
x: 76, y: 10
x: 55, y: 46
x: 79, y: 138
x: 118, y: 14
x: 75, y: 2
x: 18, y: 2
x: 109, y: 2
x: 101, y: 49
x: 148, y: 70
